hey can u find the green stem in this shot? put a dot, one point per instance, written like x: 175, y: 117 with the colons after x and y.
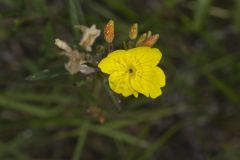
x: 112, y: 96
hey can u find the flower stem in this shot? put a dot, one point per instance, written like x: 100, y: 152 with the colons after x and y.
x: 110, y: 47
x: 112, y: 96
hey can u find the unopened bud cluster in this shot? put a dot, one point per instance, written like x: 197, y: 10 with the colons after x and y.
x: 146, y: 39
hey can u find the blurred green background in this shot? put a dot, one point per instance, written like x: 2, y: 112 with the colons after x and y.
x: 54, y: 116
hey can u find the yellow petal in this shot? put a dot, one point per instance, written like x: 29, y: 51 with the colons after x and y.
x: 148, y: 81
x: 159, y: 78
x: 113, y: 62
x: 140, y: 85
x: 119, y: 83
x: 146, y: 56
x: 135, y: 94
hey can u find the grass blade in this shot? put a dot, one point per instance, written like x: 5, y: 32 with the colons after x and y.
x: 8, y: 103
x: 120, y: 136
x: 161, y: 141
x: 224, y: 88
x: 81, y: 141
x: 236, y: 16
x: 76, y: 16
x: 201, y: 13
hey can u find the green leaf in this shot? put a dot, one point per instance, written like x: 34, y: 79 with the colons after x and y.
x: 48, y: 74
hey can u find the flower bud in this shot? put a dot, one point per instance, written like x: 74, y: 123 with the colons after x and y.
x: 141, y: 39
x: 109, y: 31
x: 149, y: 42
x: 149, y: 34
x: 133, y: 32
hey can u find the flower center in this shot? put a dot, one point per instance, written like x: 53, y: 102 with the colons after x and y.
x: 130, y: 70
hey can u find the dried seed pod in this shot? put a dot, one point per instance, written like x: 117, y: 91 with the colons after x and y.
x: 89, y: 36
x: 149, y: 42
x: 63, y: 45
x: 141, y: 39
x: 85, y: 69
x: 109, y: 31
x: 133, y: 32
x: 76, y: 60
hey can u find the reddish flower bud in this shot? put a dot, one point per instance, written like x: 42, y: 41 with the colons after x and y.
x: 141, y: 39
x: 151, y: 40
x: 109, y: 31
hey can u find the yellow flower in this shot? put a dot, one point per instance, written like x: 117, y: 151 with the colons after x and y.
x: 134, y: 71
